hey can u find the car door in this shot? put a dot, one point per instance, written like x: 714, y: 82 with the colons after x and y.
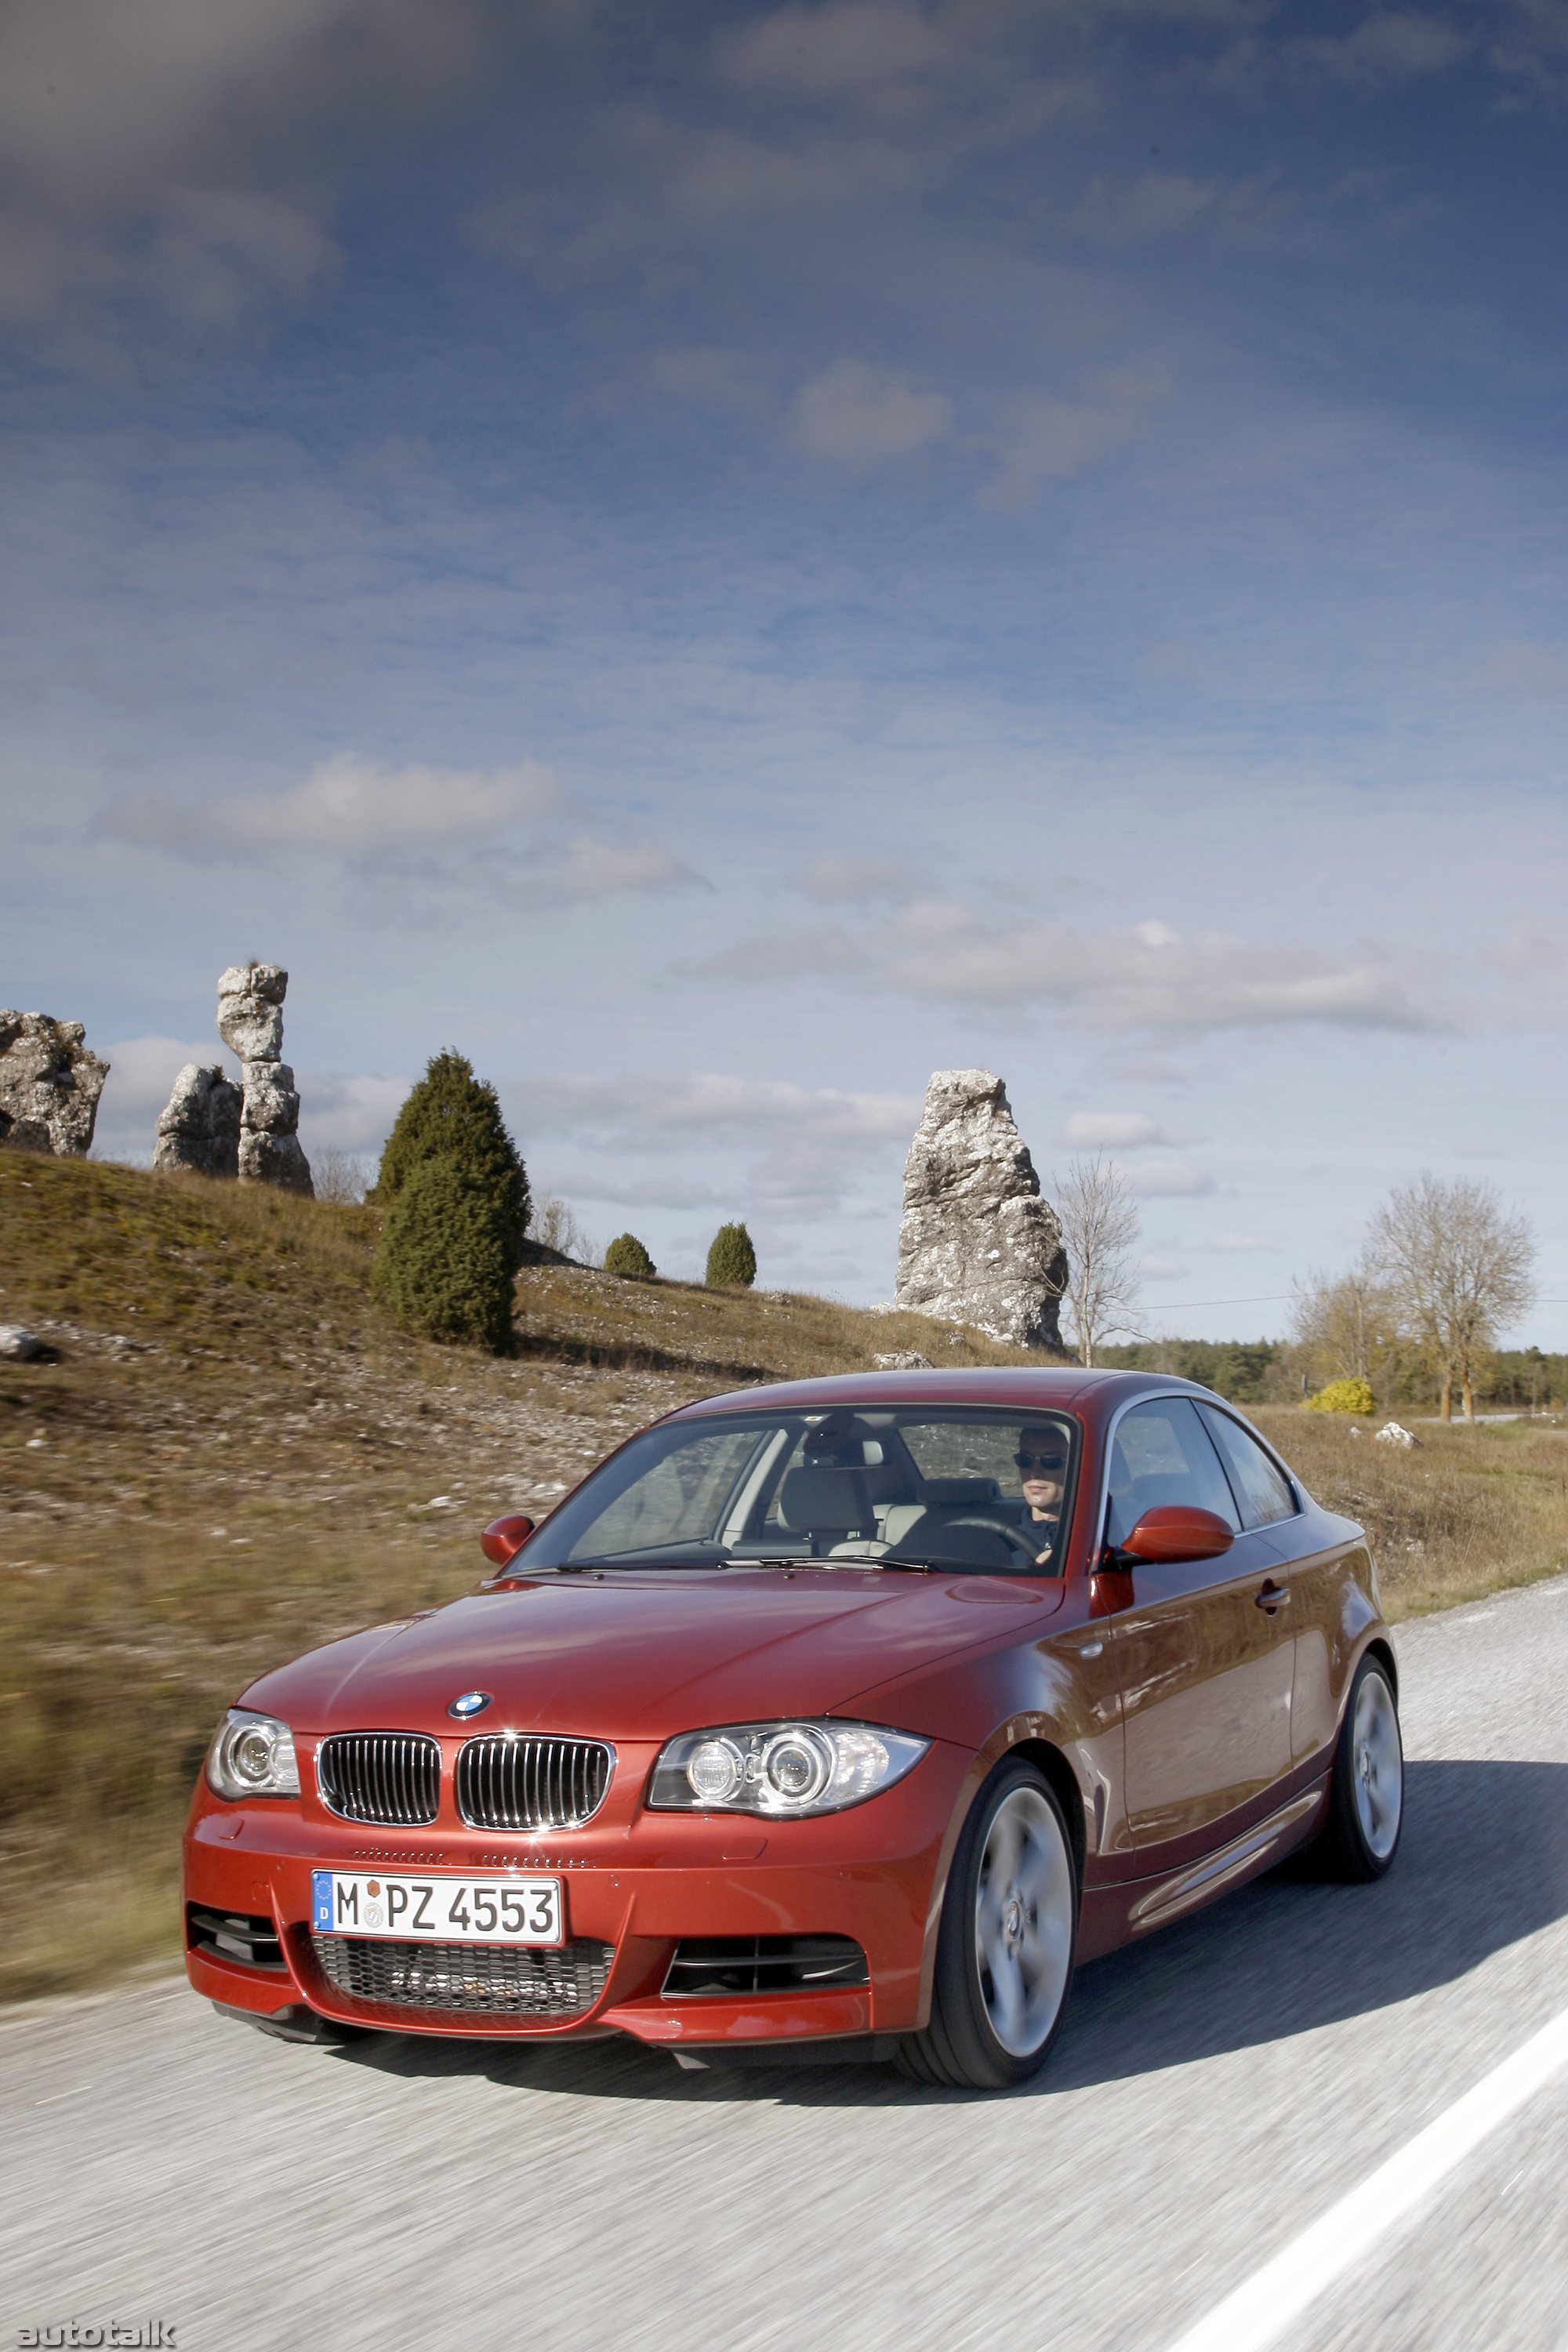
x: 1313, y: 1577
x: 1205, y: 1670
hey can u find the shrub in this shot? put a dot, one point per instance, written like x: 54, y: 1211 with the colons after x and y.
x: 732, y: 1260
x: 451, y: 1116
x: 1343, y: 1396
x: 444, y: 1265
x: 626, y: 1256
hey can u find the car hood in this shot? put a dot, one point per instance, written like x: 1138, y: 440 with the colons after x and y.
x: 639, y: 1656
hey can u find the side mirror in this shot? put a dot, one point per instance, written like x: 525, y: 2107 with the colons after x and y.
x: 1173, y: 1532
x: 504, y: 1538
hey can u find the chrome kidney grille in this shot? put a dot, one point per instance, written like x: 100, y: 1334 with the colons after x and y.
x: 380, y: 1775
x: 532, y: 1784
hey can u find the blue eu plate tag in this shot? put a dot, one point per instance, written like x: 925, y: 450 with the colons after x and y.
x: 322, y: 1900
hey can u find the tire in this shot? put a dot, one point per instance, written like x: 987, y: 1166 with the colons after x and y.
x: 1367, y: 1794
x: 1006, y: 1942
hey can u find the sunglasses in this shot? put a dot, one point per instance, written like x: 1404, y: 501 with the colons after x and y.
x: 1046, y: 1461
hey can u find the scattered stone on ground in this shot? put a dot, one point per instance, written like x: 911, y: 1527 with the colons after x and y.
x: 1391, y: 1434
x: 903, y: 1360
x: 977, y: 1243
x: 199, y: 1126
x: 18, y: 1343
x: 50, y: 1085
x: 250, y: 1023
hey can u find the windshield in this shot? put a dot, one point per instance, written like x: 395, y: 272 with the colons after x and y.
x: 944, y: 1487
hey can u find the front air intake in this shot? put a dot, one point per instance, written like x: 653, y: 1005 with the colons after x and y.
x: 532, y: 1784
x: 380, y: 1775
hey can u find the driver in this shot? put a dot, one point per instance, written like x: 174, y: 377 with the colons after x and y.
x: 1042, y: 1460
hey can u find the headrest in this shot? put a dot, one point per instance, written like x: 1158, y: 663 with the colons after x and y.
x: 826, y: 1499
x: 959, y: 1490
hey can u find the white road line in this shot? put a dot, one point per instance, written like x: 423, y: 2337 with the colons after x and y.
x: 1263, y: 2307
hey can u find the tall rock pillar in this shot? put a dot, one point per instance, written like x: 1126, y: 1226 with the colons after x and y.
x: 250, y: 1023
x: 977, y: 1244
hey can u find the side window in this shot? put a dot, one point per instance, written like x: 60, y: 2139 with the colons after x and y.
x: 1162, y: 1454
x: 1263, y: 1493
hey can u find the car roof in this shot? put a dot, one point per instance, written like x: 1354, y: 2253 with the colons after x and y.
x: 1068, y: 1387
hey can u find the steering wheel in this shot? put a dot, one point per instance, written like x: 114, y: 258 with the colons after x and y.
x: 1028, y: 1550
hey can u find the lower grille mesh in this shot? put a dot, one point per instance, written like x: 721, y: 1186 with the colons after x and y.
x: 491, y: 1977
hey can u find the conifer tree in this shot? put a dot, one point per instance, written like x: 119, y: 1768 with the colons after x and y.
x: 626, y: 1256
x: 451, y: 1115
x: 443, y: 1266
x: 731, y: 1260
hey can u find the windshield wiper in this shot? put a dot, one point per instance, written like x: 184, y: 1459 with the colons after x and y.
x: 841, y: 1559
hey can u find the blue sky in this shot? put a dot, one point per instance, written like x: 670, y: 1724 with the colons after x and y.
x: 722, y: 558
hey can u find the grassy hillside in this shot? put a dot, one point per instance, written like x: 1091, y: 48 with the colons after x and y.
x: 229, y: 1457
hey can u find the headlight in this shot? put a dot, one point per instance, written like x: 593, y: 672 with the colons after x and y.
x: 780, y: 1767
x: 253, y: 1755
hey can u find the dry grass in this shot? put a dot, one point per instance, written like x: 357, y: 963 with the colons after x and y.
x: 1469, y: 1511
x: 231, y: 1458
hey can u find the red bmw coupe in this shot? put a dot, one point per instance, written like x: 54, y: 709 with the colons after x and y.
x: 849, y: 1710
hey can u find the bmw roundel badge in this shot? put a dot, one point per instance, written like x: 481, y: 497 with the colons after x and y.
x: 471, y: 1702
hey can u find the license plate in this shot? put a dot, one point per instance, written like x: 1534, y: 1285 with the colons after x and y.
x: 437, y: 1910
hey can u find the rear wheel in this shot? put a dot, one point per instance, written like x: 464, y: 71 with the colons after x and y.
x: 1005, y: 1947
x: 1366, y: 1796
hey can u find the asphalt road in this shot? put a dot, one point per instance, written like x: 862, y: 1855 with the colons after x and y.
x: 1213, y: 2093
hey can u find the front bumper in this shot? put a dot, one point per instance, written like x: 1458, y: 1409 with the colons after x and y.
x: 633, y: 1890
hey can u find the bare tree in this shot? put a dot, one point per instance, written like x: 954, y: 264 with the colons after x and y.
x: 1459, y: 1270
x: 554, y: 1225
x: 1100, y: 1230
x: 337, y: 1177
x: 1348, y: 1326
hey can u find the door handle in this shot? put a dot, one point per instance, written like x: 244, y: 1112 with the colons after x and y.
x: 1272, y: 1596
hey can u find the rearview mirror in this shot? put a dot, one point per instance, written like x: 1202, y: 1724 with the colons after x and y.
x: 504, y: 1538
x: 1173, y: 1532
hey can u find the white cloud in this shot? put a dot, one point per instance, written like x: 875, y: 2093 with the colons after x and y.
x: 847, y: 47
x: 1042, y: 439
x: 856, y: 415
x: 645, y: 1193
x: 1235, y: 1244
x: 1390, y: 44
x: 142, y: 1074
x: 668, y: 1112
x: 588, y: 868
x: 1170, y: 1180
x: 1116, y: 1130
x: 856, y: 881
x: 1158, y: 204
x: 1164, y: 1265
x: 1146, y: 977
x: 1531, y: 671
x: 355, y: 1112
x: 173, y: 154
x: 348, y: 803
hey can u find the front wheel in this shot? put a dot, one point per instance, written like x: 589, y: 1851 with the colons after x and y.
x: 1005, y: 1947
x: 1366, y: 1796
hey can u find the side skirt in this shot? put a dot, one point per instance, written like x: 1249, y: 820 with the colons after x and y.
x: 1115, y: 1915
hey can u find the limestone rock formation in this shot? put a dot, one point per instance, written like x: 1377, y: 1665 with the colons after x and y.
x: 250, y: 1011
x: 50, y: 1085
x: 199, y: 1127
x: 977, y: 1244
x: 250, y: 1023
